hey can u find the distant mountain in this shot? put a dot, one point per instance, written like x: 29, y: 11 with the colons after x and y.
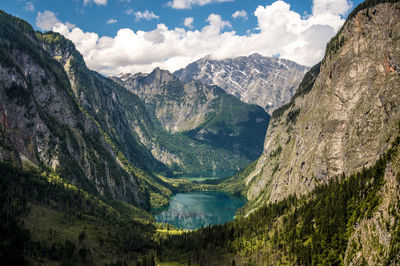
x: 266, y: 81
x: 200, y: 127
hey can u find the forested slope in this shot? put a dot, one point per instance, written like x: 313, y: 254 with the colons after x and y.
x: 326, y: 189
x: 325, y: 227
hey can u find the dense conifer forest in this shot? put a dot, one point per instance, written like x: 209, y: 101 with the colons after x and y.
x: 312, y: 229
x: 45, y: 219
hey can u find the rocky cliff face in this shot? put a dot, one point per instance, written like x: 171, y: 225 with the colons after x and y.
x: 64, y: 117
x: 177, y: 106
x: 346, y: 118
x: 198, y: 126
x: 96, y: 95
x: 265, y: 81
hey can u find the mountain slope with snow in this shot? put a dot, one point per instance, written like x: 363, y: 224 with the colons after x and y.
x: 256, y: 79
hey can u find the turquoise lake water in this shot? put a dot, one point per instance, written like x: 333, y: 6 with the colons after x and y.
x: 196, y: 209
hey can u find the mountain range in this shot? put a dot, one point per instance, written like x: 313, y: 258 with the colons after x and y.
x: 266, y: 81
x: 83, y: 157
x: 201, y: 127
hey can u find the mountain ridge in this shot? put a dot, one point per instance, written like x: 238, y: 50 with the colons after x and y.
x: 49, y: 122
x: 266, y: 81
x: 199, y: 117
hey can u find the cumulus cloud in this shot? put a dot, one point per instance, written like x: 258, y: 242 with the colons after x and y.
x: 334, y: 7
x: 187, y: 4
x: 188, y: 22
x: 29, y: 6
x: 111, y: 21
x: 84, y: 41
x: 216, y: 24
x: 147, y: 15
x: 240, y: 14
x: 69, y: 25
x: 156, y: 36
x: 280, y: 31
x: 46, y: 20
x: 97, y: 2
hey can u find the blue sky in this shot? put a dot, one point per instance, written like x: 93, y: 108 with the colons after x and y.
x: 94, y: 26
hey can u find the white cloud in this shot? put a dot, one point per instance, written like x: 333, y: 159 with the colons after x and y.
x: 97, y: 2
x: 334, y: 7
x: 187, y: 4
x: 147, y: 15
x: 188, y: 22
x: 29, y: 6
x: 216, y: 24
x: 84, y: 41
x: 70, y: 25
x: 280, y: 31
x: 100, y: 2
x: 240, y: 14
x: 129, y: 11
x: 111, y: 21
x: 46, y: 20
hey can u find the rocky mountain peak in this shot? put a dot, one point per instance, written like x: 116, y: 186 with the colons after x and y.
x: 255, y: 56
x: 265, y: 81
x: 161, y: 75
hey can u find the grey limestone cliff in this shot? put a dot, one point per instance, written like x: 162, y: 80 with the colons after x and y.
x: 347, y: 116
x: 266, y: 81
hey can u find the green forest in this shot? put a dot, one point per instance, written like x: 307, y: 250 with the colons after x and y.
x: 46, y: 219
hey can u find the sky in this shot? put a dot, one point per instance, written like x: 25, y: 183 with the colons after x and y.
x: 130, y: 36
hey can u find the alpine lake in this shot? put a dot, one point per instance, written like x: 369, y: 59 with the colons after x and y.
x: 193, y: 210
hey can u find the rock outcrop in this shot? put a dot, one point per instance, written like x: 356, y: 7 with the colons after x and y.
x: 266, y: 81
x: 341, y: 120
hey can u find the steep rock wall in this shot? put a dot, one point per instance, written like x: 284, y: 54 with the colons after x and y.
x: 346, y: 120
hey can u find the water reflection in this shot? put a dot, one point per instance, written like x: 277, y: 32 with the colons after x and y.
x: 196, y: 209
